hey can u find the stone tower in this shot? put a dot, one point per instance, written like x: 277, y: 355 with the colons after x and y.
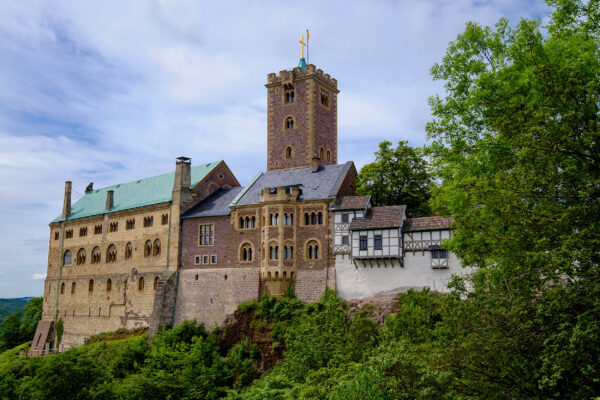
x: 301, y: 119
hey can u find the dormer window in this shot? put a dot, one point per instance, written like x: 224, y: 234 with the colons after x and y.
x: 289, y: 123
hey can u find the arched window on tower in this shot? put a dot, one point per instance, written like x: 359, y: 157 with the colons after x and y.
x: 109, y: 285
x: 148, y: 248
x: 288, y: 152
x: 320, y: 218
x: 321, y: 154
x: 68, y: 258
x: 156, y: 251
x: 328, y: 156
x: 128, y: 251
x: 289, y: 123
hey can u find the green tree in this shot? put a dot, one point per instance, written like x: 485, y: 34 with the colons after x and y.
x: 19, y: 327
x: 397, y: 176
x: 516, y: 144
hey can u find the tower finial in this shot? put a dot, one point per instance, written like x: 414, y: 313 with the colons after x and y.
x: 302, y: 63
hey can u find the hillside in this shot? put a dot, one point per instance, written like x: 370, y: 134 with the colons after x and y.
x: 9, y: 306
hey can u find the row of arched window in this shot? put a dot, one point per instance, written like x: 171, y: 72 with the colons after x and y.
x: 287, y: 251
x: 247, y: 223
x: 151, y: 249
x: 140, y: 285
x: 313, y: 218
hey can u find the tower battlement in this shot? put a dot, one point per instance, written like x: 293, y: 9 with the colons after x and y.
x: 296, y: 74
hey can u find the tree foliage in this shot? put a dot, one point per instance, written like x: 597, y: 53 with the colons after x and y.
x: 516, y: 143
x: 20, y: 326
x: 397, y: 176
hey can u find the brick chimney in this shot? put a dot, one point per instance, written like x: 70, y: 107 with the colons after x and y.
x: 110, y: 199
x: 67, y: 200
x: 315, y: 164
x: 181, y: 184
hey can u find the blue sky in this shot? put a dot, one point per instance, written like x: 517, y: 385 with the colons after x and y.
x: 110, y: 91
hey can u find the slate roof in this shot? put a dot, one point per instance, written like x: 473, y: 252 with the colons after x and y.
x: 379, y: 218
x: 140, y: 193
x: 215, y: 205
x: 427, y: 223
x: 321, y: 185
x: 352, y: 203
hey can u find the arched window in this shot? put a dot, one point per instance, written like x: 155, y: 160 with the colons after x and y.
x: 111, y: 254
x: 289, y: 152
x: 241, y: 222
x: 289, y: 96
x: 313, y: 218
x: 306, y: 219
x: 156, y: 248
x: 289, y: 123
x: 328, y: 156
x: 253, y: 222
x: 148, y: 248
x: 246, y: 252
x: 81, y: 257
x: 128, y: 251
x: 320, y: 218
x: 109, y: 285
x: 155, y: 283
x: 91, y: 285
x: 141, y: 283
x: 273, y: 252
x: 312, y: 250
x: 276, y: 218
x: 62, y: 288
x: 73, y: 287
x: 247, y: 222
x: 288, y: 252
x: 321, y: 154
x: 96, y: 255
x: 68, y: 258
x: 291, y: 219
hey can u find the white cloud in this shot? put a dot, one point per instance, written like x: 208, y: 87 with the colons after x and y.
x: 39, y: 276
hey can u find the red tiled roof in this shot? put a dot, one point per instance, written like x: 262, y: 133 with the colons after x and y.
x: 427, y: 223
x: 380, y: 217
x: 352, y: 203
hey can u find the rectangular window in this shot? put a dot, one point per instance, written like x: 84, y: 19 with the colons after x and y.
x: 213, y: 259
x: 205, y: 235
x: 165, y: 219
x: 55, y: 235
x: 345, y: 239
x: 378, y: 242
x: 205, y: 260
x: 197, y: 260
x: 436, y: 254
x: 363, y: 242
x: 345, y: 217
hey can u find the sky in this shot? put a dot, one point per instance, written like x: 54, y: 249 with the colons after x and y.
x: 112, y: 91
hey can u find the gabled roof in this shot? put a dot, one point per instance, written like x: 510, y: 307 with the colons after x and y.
x: 427, y: 224
x: 348, y: 203
x: 143, y: 192
x: 379, y: 218
x: 215, y: 205
x: 321, y: 185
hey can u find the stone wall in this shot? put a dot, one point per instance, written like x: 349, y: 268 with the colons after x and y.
x: 209, y: 295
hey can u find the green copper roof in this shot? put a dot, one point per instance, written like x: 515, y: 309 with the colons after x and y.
x: 140, y: 193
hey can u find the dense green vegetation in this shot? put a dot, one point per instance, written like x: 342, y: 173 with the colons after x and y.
x: 20, y: 326
x: 9, y: 306
x: 397, y: 176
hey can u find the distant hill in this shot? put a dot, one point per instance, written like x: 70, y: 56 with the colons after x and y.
x: 9, y: 306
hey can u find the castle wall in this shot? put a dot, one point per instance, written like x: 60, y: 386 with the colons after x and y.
x: 210, y: 294
x: 366, y: 278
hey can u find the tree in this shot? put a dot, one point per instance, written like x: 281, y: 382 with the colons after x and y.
x: 397, y: 176
x: 516, y: 143
x: 19, y: 327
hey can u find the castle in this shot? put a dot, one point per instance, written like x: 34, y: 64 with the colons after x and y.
x: 193, y: 243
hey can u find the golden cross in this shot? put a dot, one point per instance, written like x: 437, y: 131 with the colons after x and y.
x: 302, y: 44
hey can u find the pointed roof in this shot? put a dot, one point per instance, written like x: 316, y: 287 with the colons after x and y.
x: 143, y: 192
x: 379, y: 218
x: 427, y: 223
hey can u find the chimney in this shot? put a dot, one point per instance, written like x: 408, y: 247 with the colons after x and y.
x: 110, y: 199
x: 315, y: 164
x: 183, y: 174
x: 67, y: 200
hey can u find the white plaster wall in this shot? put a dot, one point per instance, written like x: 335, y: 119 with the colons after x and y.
x: 361, y: 282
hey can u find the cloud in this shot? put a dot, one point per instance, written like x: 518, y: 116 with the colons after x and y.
x: 110, y: 91
x: 39, y: 276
